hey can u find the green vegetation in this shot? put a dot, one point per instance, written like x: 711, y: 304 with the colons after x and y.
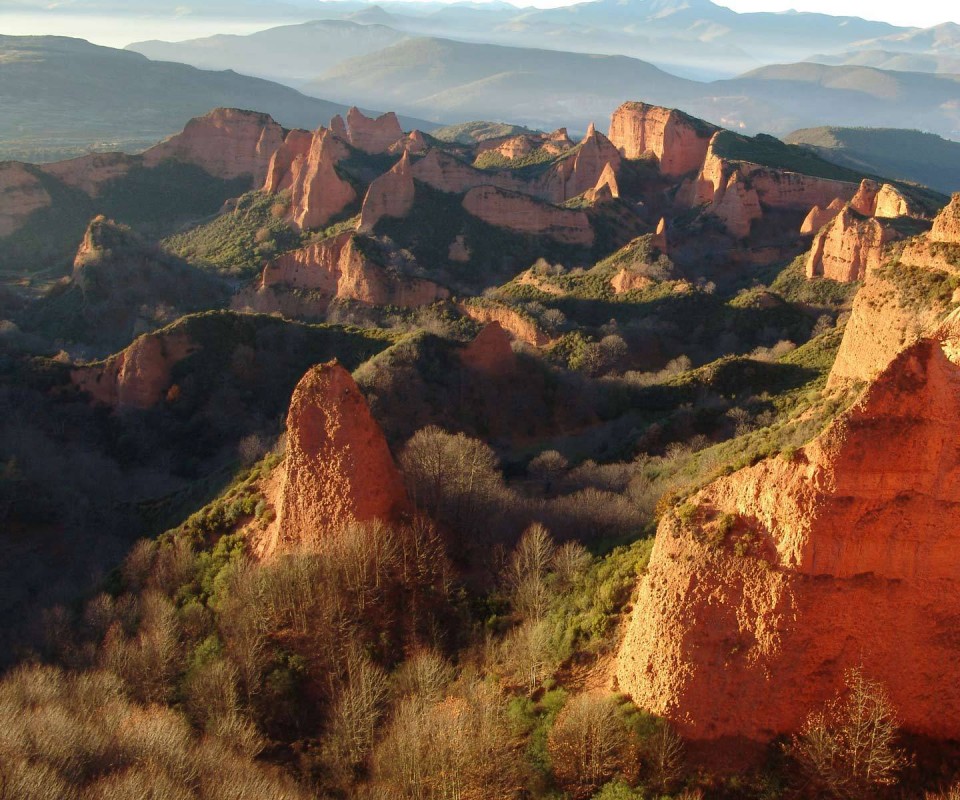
x: 492, y: 160
x: 238, y: 242
x: 769, y: 151
x: 921, y: 287
x: 473, y: 132
x: 908, y: 155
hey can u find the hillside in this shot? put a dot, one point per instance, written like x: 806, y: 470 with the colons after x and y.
x: 893, y: 60
x: 63, y: 97
x: 289, y: 54
x: 908, y: 155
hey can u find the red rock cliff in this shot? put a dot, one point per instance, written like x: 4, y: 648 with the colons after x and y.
x: 679, y: 142
x: 227, y: 143
x: 390, y: 195
x: 307, y: 165
x: 521, y: 213
x: 848, y: 247
x: 337, y: 468
x: 370, y: 135
x: 843, y: 555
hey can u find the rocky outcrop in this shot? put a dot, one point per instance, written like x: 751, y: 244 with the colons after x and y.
x: 850, y: 246
x: 308, y: 168
x: 414, y: 143
x: 21, y: 194
x: 659, y: 241
x: 138, y: 377
x: 458, y: 250
x: 579, y: 172
x: 512, y: 147
x: 390, y: 195
x: 678, y: 142
x: 523, y: 214
x: 776, y: 579
x: 946, y: 225
x: 519, y: 326
x: 304, y: 282
x: 606, y: 189
x: 629, y: 281
x: 337, y: 469
x: 449, y: 174
x: 367, y: 134
x: 818, y: 217
x: 90, y: 173
x: 227, y: 143
x: 881, y: 200
x: 490, y: 352
x: 738, y: 191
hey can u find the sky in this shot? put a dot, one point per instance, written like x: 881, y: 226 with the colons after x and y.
x: 117, y: 32
x: 920, y: 13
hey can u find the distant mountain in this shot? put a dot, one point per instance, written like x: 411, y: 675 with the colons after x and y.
x: 62, y: 97
x: 289, y: 53
x: 694, y: 38
x: 941, y: 39
x: 891, y: 60
x: 904, y: 154
x: 459, y: 81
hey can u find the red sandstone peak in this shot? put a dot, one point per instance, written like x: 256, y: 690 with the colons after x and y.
x: 373, y: 135
x: 850, y: 246
x: 678, y: 142
x: 490, y: 352
x: 785, y: 574
x: 660, y: 236
x: 606, y: 188
x: 139, y: 376
x: 818, y: 217
x: 228, y: 143
x: 946, y: 225
x: 339, y: 128
x: 306, y: 164
x: 338, y: 467
x: 390, y: 195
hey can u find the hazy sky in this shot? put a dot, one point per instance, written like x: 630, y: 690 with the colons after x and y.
x: 922, y: 13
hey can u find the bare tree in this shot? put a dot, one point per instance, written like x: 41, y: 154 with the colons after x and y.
x: 589, y: 745
x: 529, y: 572
x: 848, y: 750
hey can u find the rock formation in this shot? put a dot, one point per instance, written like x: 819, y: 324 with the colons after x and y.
x: 337, y: 467
x: 606, y: 188
x: 21, y: 194
x: 776, y: 579
x: 818, y: 217
x: 490, y: 352
x: 581, y: 171
x: 946, y: 225
x: 309, y: 169
x: 850, y: 246
x: 90, y: 173
x: 390, y: 195
x: 628, y: 281
x: 523, y: 214
x: 678, y: 141
x: 881, y: 200
x: 227, y: 143
x: 370, y: 135
x: 449, y: 174
x: 304, y: 282
x: 137, y: 377
x: 521, y: 327
x: 414, y: 143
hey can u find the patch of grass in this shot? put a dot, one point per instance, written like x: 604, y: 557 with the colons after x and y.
x: 920, y: 287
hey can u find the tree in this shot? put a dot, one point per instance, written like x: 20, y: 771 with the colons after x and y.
x: 847, y: 750
x: 589, y: 744
x: 529, y: 571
